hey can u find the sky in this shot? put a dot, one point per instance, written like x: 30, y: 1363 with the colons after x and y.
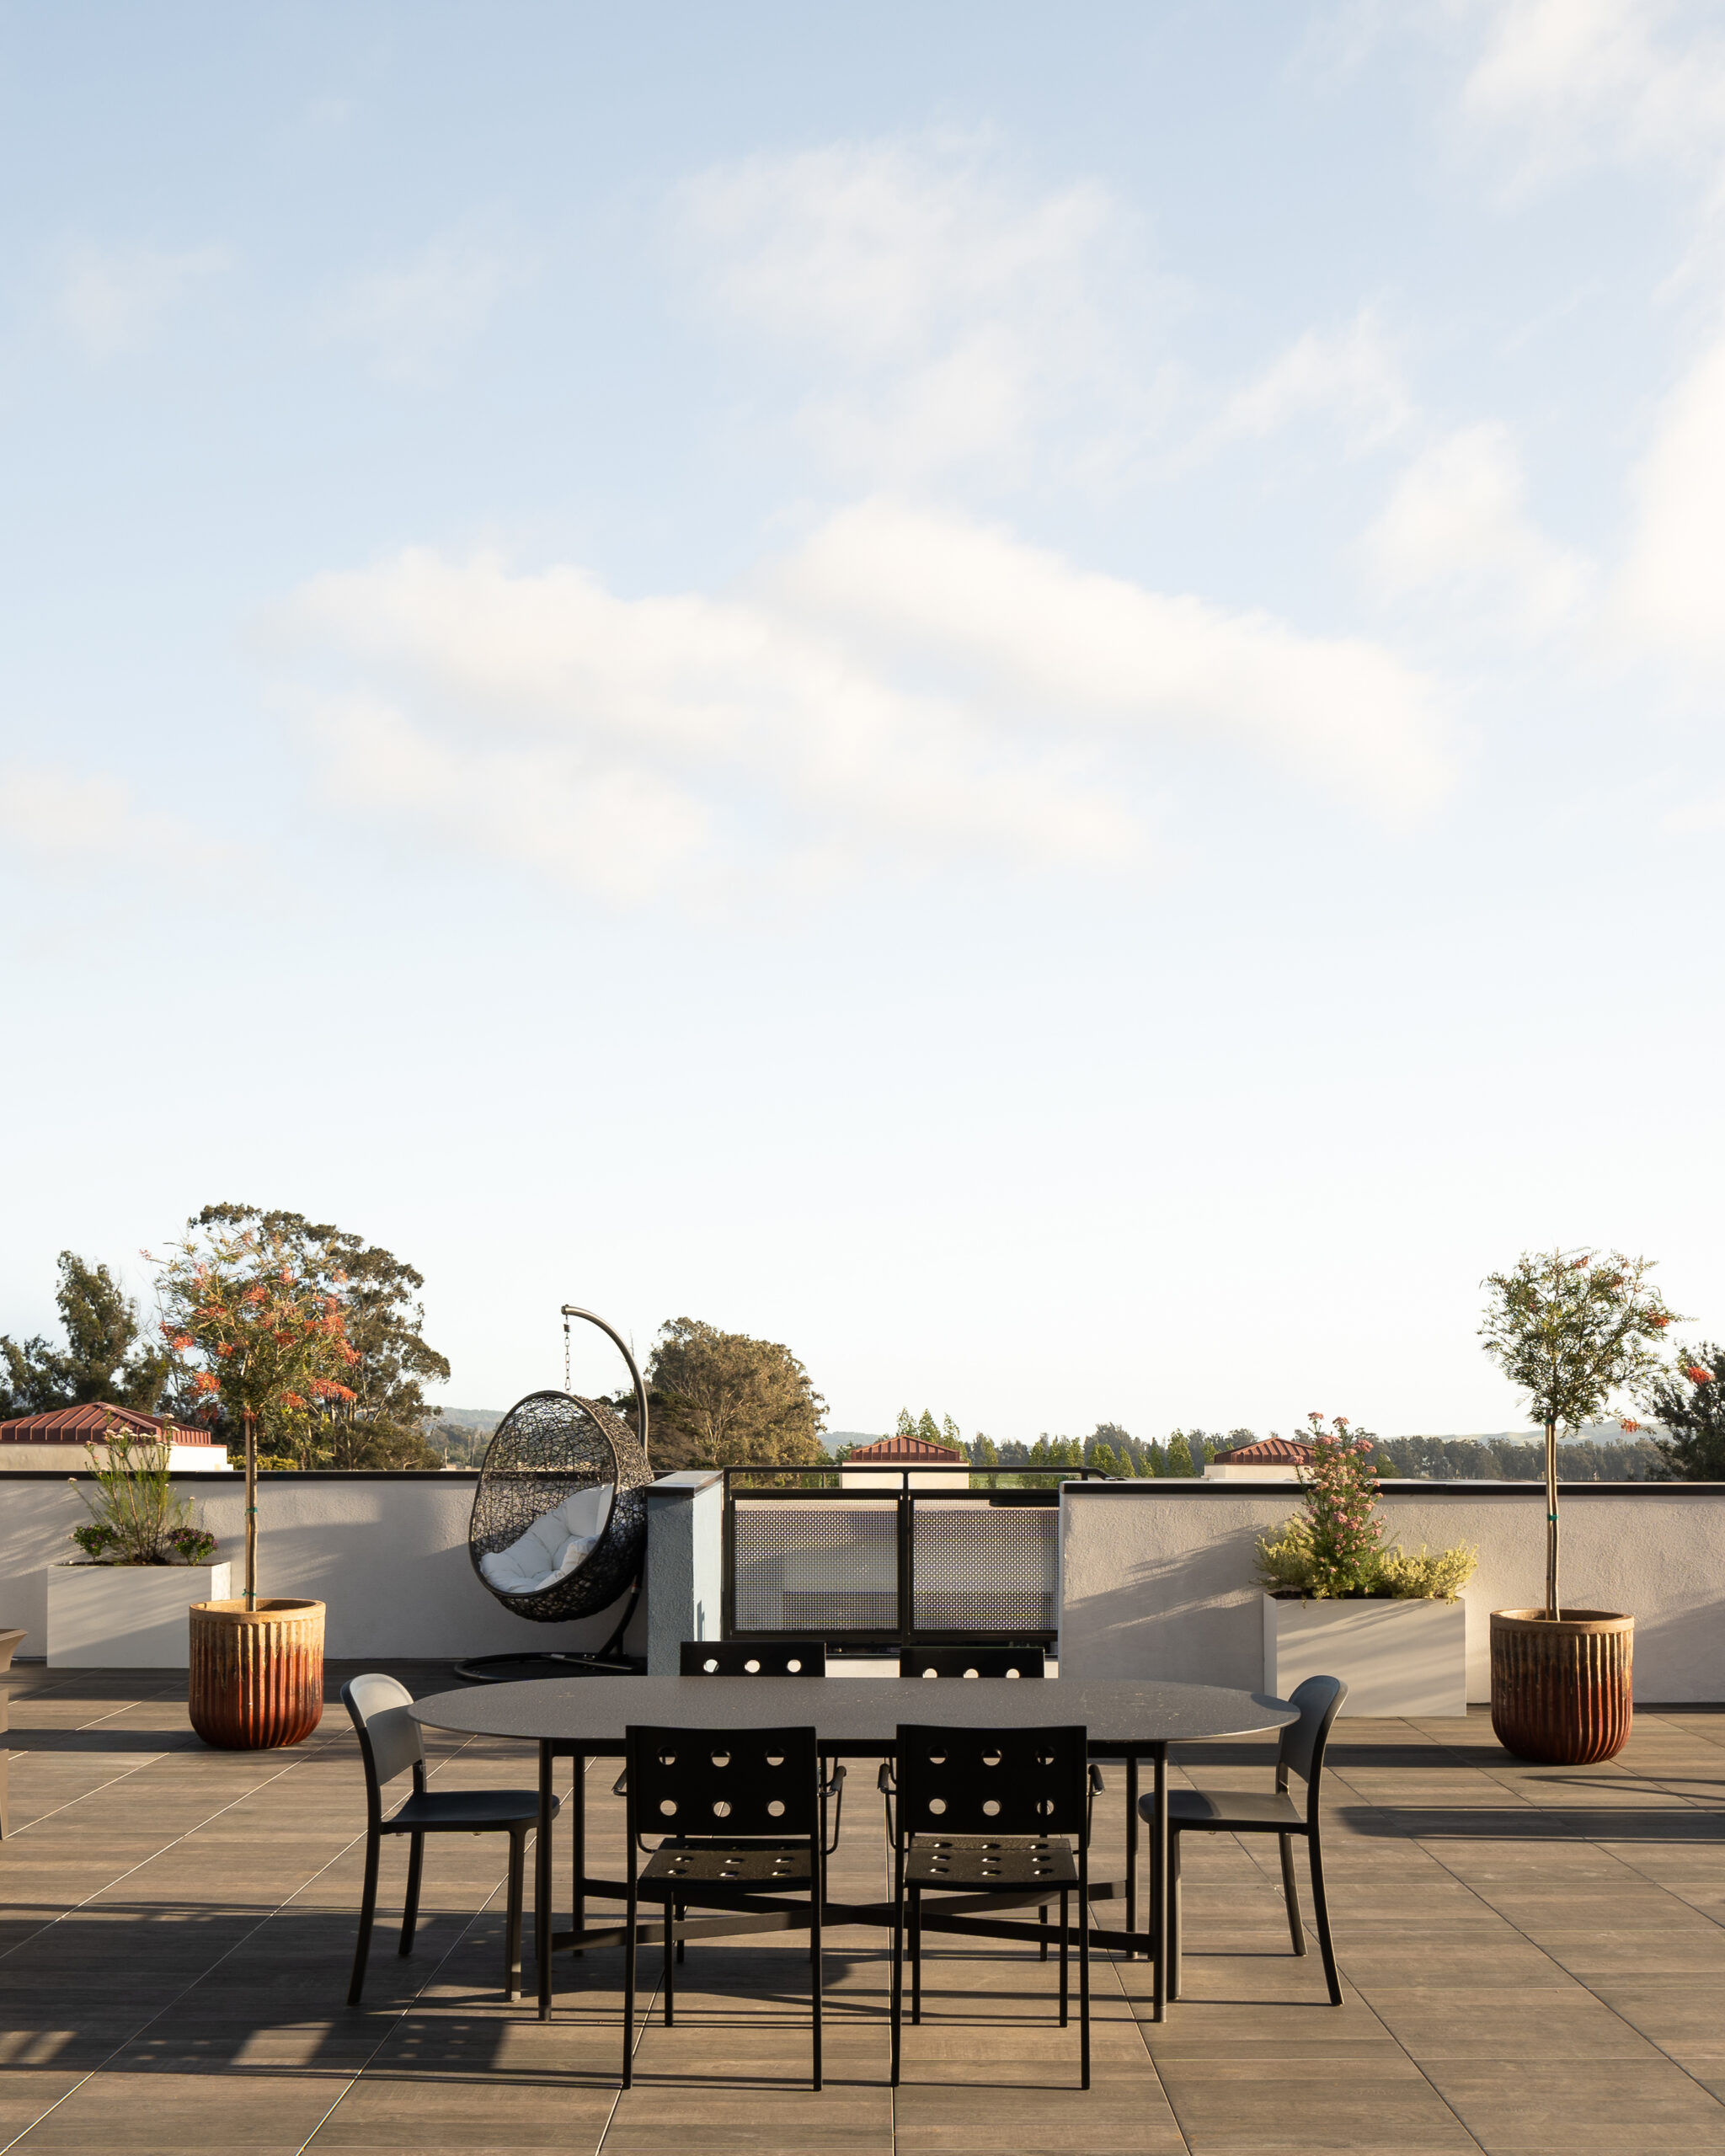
x: 1030, y: 697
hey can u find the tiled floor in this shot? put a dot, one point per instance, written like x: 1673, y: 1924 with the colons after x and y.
x: 1535, y: 1961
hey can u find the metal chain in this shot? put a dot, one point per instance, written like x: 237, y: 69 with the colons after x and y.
x: 566, y: 1385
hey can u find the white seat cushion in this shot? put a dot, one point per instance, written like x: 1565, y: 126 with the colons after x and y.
x: 553, y: 1546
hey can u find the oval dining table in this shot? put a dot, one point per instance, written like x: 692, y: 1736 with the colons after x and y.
x: 854, y: 1717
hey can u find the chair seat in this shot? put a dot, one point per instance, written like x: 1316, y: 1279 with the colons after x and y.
x: 1005, y: 1860
x: 1239, y: 1811
x: 749, y: 1866
x: 467, y: 1811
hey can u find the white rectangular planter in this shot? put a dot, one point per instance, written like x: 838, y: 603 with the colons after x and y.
x: 1395, y: 1657
x: 127, y: 1616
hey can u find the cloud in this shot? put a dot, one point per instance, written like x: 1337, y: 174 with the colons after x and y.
x: 112, y: 300
x: 1458, y: 524
x: 59, y: 814
x: 1609, y: 79
x: 1351, y: 375
x: 1671, y: 592
x: 415, y: 316
x: 1704, y: 815
x: 904, y: 687
x: 953, y: 316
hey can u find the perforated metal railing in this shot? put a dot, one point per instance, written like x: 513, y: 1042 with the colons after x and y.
x: 982, y: 1569
x: 850, y: 1565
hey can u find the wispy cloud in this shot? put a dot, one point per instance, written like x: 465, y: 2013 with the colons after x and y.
x: 55, y: 813
x: 954, y: 315
x: 415, y: 316
x: 1611, y: 78
x: 1458, y: 526
x: 1351, y: 376
x: 905, y: 685
x: 112, y: 300
x: 1671, y: 594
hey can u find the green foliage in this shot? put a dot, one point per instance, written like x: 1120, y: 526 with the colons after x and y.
x: 1178, y: 1459
x: 1288, y: 1564
x: 984, y: 1452
x: 724, y: 1400
x: 1572, y: 1328
x: 1105, y: 1460
x: 1425, y: 1575
x: 1690, y: 1407
x: 101, y: 1360
x: 137, y: 1517
x: 1447, y: 1459
x: 385, y: 1423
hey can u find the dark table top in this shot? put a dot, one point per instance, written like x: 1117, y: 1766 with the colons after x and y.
x: 857, y: 1716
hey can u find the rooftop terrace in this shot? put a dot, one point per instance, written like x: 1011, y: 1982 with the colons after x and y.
x: 1533, y: 1957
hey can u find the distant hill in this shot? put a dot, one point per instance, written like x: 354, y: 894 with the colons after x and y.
x: 832, y: 1439
x: 469, y: 1418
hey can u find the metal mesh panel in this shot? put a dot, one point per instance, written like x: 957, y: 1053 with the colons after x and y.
x: 819, y: 1569
x: 978, y: 1569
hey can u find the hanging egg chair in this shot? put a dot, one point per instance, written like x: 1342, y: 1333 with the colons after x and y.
x: 558, y: 1529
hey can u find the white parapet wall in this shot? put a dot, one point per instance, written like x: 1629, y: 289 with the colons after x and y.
x: 1157, y: 1579
x: 387, y: 1553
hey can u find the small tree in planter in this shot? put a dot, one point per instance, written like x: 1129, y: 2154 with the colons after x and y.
x: 1571, y: 1329
x: 256, y: 1339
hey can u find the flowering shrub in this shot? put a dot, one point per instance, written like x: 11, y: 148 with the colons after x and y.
x: 1334, y: 1548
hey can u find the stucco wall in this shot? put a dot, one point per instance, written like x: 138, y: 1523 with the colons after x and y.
x: 1157, y: 1580
x: 387, y: 1553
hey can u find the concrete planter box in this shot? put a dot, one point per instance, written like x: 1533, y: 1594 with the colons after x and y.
x: 127, y: 1616
x: 1395, y: 1657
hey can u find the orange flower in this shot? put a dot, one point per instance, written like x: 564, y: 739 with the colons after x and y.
x: 1698, y: 1374
x: 224, y: 1348
x: 206, y: 1382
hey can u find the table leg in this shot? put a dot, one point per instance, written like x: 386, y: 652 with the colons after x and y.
x: 542, y: 1883
x: 578, y: 1843
x: 1132, y: 1824
x: 1159, y: 1887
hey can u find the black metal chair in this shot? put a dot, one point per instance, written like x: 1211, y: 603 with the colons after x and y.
x: 1233, y: 1812
x: 390, y: 1745
x: 971, y: 1662
x: 753, y: 1658
x: 744, y: 1814
x: 991, y: 1812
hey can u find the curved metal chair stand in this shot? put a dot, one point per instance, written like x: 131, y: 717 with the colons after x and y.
x: 1236, y: 1812
x: 389, y: 1746
x: 551, y: 1447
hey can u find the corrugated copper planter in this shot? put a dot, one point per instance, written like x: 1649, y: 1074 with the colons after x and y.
x: 1561, y: 1688
x: 257, y: 1675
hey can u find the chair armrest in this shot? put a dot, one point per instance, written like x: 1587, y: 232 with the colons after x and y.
x: 887, y: 1787
x: 1098, y: 1787
x: 620, y: 1787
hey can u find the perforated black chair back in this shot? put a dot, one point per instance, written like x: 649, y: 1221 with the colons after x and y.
x: 1304, y: 1743
x: 731, y: 1784
x: 993, y: 1782
x: 738, y: 1812
x: 970, y: 1661
x: 753, y: 1658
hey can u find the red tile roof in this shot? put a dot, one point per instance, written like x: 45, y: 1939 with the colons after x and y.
x: 1284, y: 1451
x: 78, y: 1425
x: 896, y: 1449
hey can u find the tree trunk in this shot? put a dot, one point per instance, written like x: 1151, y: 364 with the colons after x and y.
x: 251, y: 1429
x: 1552, y: 1608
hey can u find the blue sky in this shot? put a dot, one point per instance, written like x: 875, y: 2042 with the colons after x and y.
x: 1030, y: 697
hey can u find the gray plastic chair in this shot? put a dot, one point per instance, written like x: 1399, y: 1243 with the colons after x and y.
x: 390, y: 1745
x: 1234, y: 1811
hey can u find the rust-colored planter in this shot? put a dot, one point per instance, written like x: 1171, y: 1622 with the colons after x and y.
x: 257, y: 1675
x: 1561, y: 1688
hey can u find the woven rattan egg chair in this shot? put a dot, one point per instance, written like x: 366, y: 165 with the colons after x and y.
x: 559, y: 1523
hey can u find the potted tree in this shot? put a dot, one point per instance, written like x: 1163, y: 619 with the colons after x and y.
x: 121, y: 1603
x: 1571, y: 1329
x: 257, y: 1339
x: 1340, y: 1602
